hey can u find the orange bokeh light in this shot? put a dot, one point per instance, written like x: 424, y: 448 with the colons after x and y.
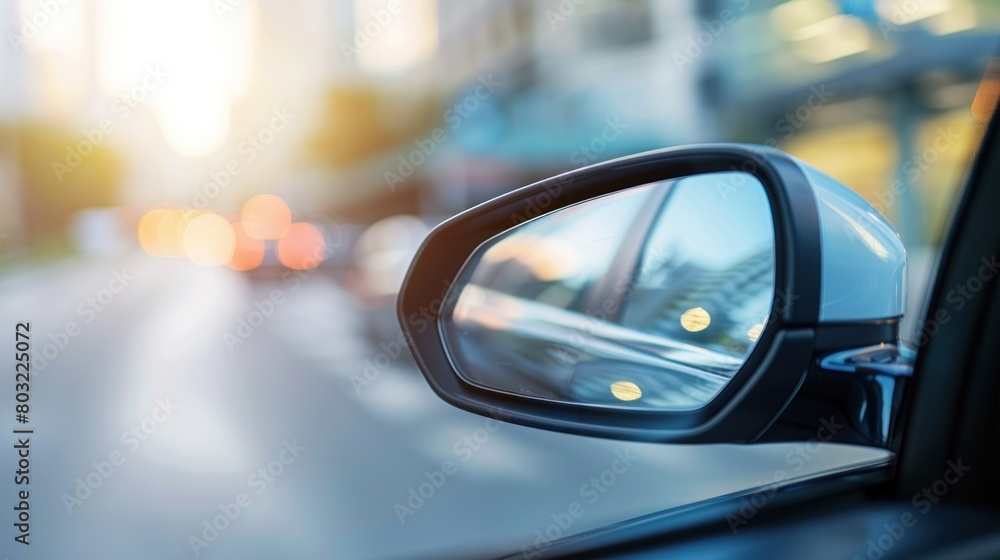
x: 249, y: 252
x: 171, y: 231
x: 266, y: 216
x: 148, y: 232
x: 302, y: 247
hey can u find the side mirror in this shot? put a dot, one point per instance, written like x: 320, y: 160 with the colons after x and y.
x: 718, y: 293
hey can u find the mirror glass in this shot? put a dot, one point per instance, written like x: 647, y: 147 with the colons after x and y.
x: 651, y: 297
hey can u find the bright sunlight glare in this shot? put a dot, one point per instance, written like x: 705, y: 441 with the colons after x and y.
x: 206, y: 61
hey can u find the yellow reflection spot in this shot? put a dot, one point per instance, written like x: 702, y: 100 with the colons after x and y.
x: 266, y: 217
x: 149, y: 232
x: 625, y: 390
x: 209, y: 240
x: 754, y: 333
x: 302, y: 247
x: 696, y: 319
x: 249, y: 252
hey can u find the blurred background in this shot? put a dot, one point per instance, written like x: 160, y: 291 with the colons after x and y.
x: 222, y: 198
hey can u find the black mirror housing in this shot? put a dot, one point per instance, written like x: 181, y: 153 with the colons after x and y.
x: 776, y: 368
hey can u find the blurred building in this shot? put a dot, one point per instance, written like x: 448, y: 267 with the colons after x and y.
x: 523, y: 90
x: 573, y: 83
x: 877, y: 93
x: 430, y: 106
x: 588, y: 84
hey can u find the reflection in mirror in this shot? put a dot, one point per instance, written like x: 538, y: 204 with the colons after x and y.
x: 651, y: 297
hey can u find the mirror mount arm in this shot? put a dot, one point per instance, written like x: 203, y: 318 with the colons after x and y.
x: 850, y: 396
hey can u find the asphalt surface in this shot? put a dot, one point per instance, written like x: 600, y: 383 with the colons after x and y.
x: 155, y: 414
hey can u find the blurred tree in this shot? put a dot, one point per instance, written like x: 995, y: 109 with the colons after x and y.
x: 62, y: 173
x: 361, y: 121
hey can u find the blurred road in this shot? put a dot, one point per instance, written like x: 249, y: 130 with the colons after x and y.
x: 151, y: 422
